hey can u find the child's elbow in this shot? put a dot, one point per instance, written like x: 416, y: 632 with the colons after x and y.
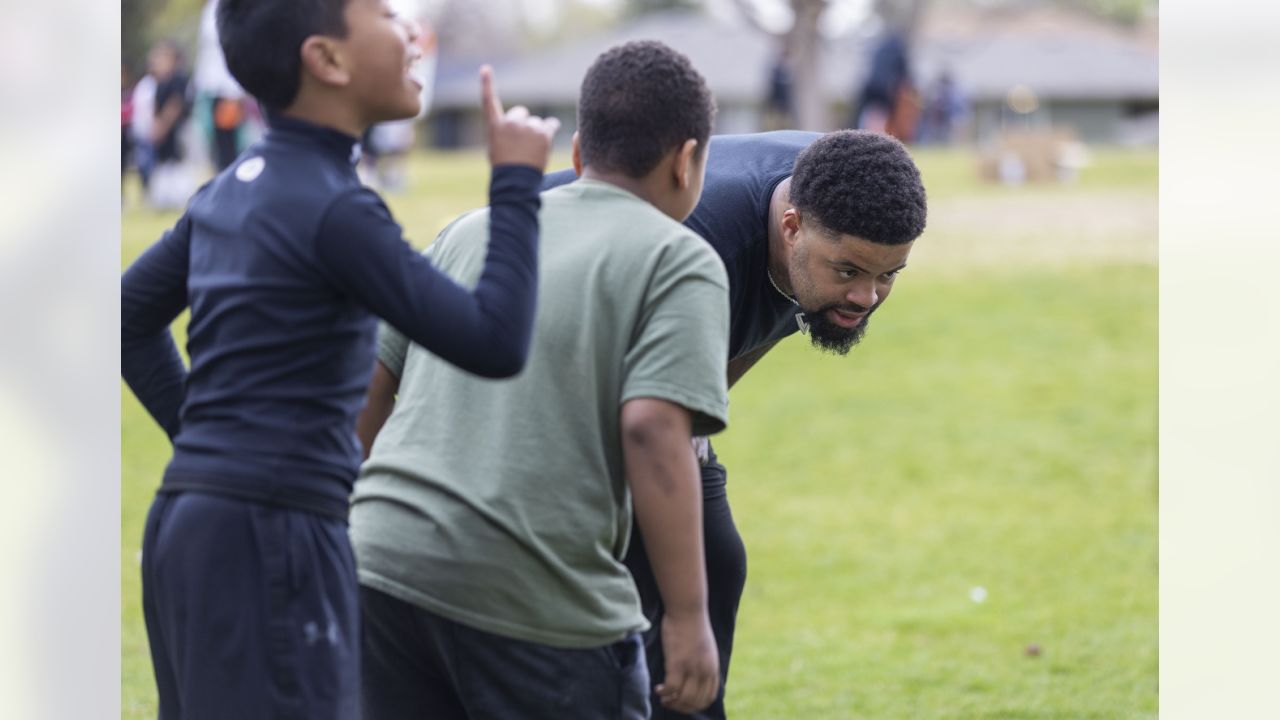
x: 503, y: 363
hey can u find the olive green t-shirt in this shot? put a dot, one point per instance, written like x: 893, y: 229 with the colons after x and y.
x: 502, y: 504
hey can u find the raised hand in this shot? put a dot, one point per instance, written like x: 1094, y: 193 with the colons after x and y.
x: 515, y: 137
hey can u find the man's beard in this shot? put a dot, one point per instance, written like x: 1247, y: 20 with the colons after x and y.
x: 830, y: 337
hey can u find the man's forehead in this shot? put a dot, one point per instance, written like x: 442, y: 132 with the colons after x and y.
x: 866, y: 254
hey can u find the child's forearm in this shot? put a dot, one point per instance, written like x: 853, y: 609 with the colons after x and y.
x: 380, y: 400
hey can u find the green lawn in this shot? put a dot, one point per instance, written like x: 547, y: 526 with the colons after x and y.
x: 996, y: 429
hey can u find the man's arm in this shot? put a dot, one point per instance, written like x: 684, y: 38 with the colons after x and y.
x: 741, y: 364
x: 666, y: 490
x: 378, y: 404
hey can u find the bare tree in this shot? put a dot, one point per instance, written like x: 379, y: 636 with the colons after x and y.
x: 802, y: 43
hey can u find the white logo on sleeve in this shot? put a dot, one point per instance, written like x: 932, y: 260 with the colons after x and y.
x: 250, y: 169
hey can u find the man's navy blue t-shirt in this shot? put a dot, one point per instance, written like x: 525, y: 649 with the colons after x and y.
x: 733, y: 215
x: 285, y: 259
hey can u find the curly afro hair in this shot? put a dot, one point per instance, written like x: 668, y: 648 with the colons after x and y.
x: 860, y: 183
x: 639, y: 101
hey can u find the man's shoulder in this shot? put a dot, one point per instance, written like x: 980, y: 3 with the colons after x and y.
x: 748, y: 144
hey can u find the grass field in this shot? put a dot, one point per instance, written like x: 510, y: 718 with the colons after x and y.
x: 996, y: 429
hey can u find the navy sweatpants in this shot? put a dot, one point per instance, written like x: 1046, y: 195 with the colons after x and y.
x: 421, y: 666
x: 726, y: 576
x: 252, y: 610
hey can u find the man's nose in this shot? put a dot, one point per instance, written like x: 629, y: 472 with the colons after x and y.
x: 863, y: 292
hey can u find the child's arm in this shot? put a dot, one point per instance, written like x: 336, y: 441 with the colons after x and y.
x: 379, y: 401
x: 666, y: 490
x: 487, y: 331
x: 153, y: 291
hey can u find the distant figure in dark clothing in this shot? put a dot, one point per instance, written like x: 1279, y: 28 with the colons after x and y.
x: 126, y: 119
x: 778, y: 113
x: 171, y: 105
x: 169, y: 187
x: 890, y: 71
x: 944, y: 109
x: 219, y: 100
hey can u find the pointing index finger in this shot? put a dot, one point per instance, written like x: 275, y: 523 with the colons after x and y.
x: 489, y: 96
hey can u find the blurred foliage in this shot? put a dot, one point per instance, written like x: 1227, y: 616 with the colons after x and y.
x: 135, y: 31
x: 635, y: 8
x: 1123, y: 11
x: 142, y: 22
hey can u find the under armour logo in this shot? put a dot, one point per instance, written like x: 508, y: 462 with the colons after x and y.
x: 804, y: 326
x: 315, y: 634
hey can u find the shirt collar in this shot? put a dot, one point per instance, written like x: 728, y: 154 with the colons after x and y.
x: 341, y: 144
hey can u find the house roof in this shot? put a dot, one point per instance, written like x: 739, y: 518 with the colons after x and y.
x: 1059, y: 55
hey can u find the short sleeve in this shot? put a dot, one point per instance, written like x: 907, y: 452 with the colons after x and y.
x: 393, y: 347
x: 680, y: 351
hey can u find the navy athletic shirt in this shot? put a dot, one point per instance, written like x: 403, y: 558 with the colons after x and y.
x: 285, y: 258
x: 733, y: 215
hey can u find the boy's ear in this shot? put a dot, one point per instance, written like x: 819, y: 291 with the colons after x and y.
x: 684, y: 164
x: 577, y: 155
x: 323, y: 59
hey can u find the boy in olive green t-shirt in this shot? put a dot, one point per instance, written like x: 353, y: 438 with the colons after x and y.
x: 491, y: 518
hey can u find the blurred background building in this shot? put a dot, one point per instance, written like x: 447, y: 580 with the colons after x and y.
x: 1004, y: 66
x: 971, y: 70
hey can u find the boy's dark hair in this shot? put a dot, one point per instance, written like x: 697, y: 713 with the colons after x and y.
x: 639, y: 101
x: 262, y: 39
x: 860, y: 183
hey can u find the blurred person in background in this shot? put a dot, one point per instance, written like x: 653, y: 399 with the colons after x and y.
x: 887, y: 81
x: 171, y: 179
x: 142, y: 101
x: 126, y: 118
x: 220, y: 102
x: 778, y: 113
x: 945, y: 108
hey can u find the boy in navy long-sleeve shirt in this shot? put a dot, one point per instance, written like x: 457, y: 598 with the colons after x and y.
x: 285, y: 261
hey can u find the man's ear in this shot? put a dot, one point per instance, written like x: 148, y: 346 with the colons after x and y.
x: 577, y: 155
x: 684, y: 165
x: 323, y: 59
x: 790, y: 226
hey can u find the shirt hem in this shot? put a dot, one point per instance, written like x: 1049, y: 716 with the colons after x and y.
x: 488, y: 624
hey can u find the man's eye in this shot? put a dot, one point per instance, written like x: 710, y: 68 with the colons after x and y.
x: 891, y: 275
x: 846, y: 274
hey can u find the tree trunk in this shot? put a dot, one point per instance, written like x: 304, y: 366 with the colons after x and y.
x: 811, y: 111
